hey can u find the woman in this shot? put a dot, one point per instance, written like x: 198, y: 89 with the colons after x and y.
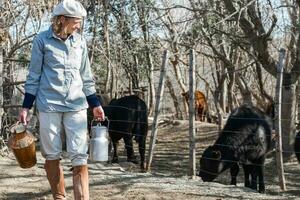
x: 61, y: 83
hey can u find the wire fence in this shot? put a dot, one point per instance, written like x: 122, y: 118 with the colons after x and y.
x: 129, y: 122
x: 182, y: 145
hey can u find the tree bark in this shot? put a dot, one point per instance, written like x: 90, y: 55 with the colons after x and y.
x: 109, y: 83
x: 288, y: 114
x: 178, y: 113
x: 1, y: 85
x: 144, y: 26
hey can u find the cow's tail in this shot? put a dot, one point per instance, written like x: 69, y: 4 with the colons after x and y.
x: 141, y: 125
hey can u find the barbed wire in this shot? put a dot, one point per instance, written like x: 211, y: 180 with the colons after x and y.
x: 223, y: 145
x: 213, y: 133
x: 197, y: 128
x: 126, y: 108
x: 230, y: 161
x: 140, y: 122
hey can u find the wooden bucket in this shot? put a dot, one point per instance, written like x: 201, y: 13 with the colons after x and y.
x: 22, y: 144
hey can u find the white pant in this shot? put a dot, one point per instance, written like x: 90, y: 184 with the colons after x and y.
x: 74, y: 125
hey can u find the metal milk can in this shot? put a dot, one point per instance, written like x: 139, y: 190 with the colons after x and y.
x: 22, y: 144
x: 98, y: 142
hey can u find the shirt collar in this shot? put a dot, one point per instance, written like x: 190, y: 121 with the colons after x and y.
x: 74, y: 37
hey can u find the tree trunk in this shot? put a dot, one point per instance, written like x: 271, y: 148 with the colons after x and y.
x: 151, y: 93
x: 231, y: 103
x: 223, y: 96
x: 144, y: 26
x: 298, y: 104
x: 135, y: 69
x: 178, y: 113
x: 245, y: 91
x: 1, y: 85
x: 109, y: 83
x: 288, y: 114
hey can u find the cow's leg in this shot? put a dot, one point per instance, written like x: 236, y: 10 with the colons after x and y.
x: 261, y: 182
x: 142, y: 146
x: 234, y: 171
x: 129, y: 147
x: 253, y: 177
x: 261, y: 187
x: 115, y: 158
x: 110, y: 146
x: 247, y: 171
x: 201, y: 113
x: 198, y: 114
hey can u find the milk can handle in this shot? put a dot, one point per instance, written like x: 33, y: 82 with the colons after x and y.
x: 15, y: 124
x: 99, y: 122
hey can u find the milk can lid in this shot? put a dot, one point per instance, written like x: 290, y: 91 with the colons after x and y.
x: 19, y: 128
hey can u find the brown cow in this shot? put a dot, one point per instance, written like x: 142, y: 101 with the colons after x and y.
x: 201, y: 106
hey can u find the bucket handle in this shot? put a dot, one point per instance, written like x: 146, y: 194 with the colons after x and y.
x: 12, y: 131
x: 99, y: 122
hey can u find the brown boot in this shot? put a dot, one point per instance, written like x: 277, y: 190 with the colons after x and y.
x: 81, y: 182
x: 55, y: 177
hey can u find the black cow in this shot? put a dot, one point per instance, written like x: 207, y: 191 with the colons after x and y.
x: 297, y: 146
x: 127, y: 119
x: 246, y: 138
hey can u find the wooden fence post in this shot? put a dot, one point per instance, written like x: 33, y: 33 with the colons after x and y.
x: 159, y: 94
x: 192, y: 145
x: 1, y: 85
x: 279, y: 159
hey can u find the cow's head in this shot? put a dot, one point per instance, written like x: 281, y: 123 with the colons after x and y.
x: 212, y: 163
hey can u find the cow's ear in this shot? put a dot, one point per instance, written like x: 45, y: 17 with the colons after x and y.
x: 216, y: 155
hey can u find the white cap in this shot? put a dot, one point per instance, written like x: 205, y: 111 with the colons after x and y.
x: 69, y: 8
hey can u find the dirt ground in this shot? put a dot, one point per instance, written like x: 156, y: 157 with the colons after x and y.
x: 167, y: 180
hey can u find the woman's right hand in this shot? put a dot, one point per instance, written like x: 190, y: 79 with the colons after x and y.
x: 98, y: 113
x: 23, y: 115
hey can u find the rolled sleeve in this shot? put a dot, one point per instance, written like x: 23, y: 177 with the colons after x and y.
x: 35, y: 67
x: 28, y: 101
x: 86, y: 73
x: 93, y: 101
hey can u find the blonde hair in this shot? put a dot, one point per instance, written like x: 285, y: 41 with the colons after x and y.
x: 57, y: 26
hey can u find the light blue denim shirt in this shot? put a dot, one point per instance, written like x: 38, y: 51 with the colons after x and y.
x: 59, y: 73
